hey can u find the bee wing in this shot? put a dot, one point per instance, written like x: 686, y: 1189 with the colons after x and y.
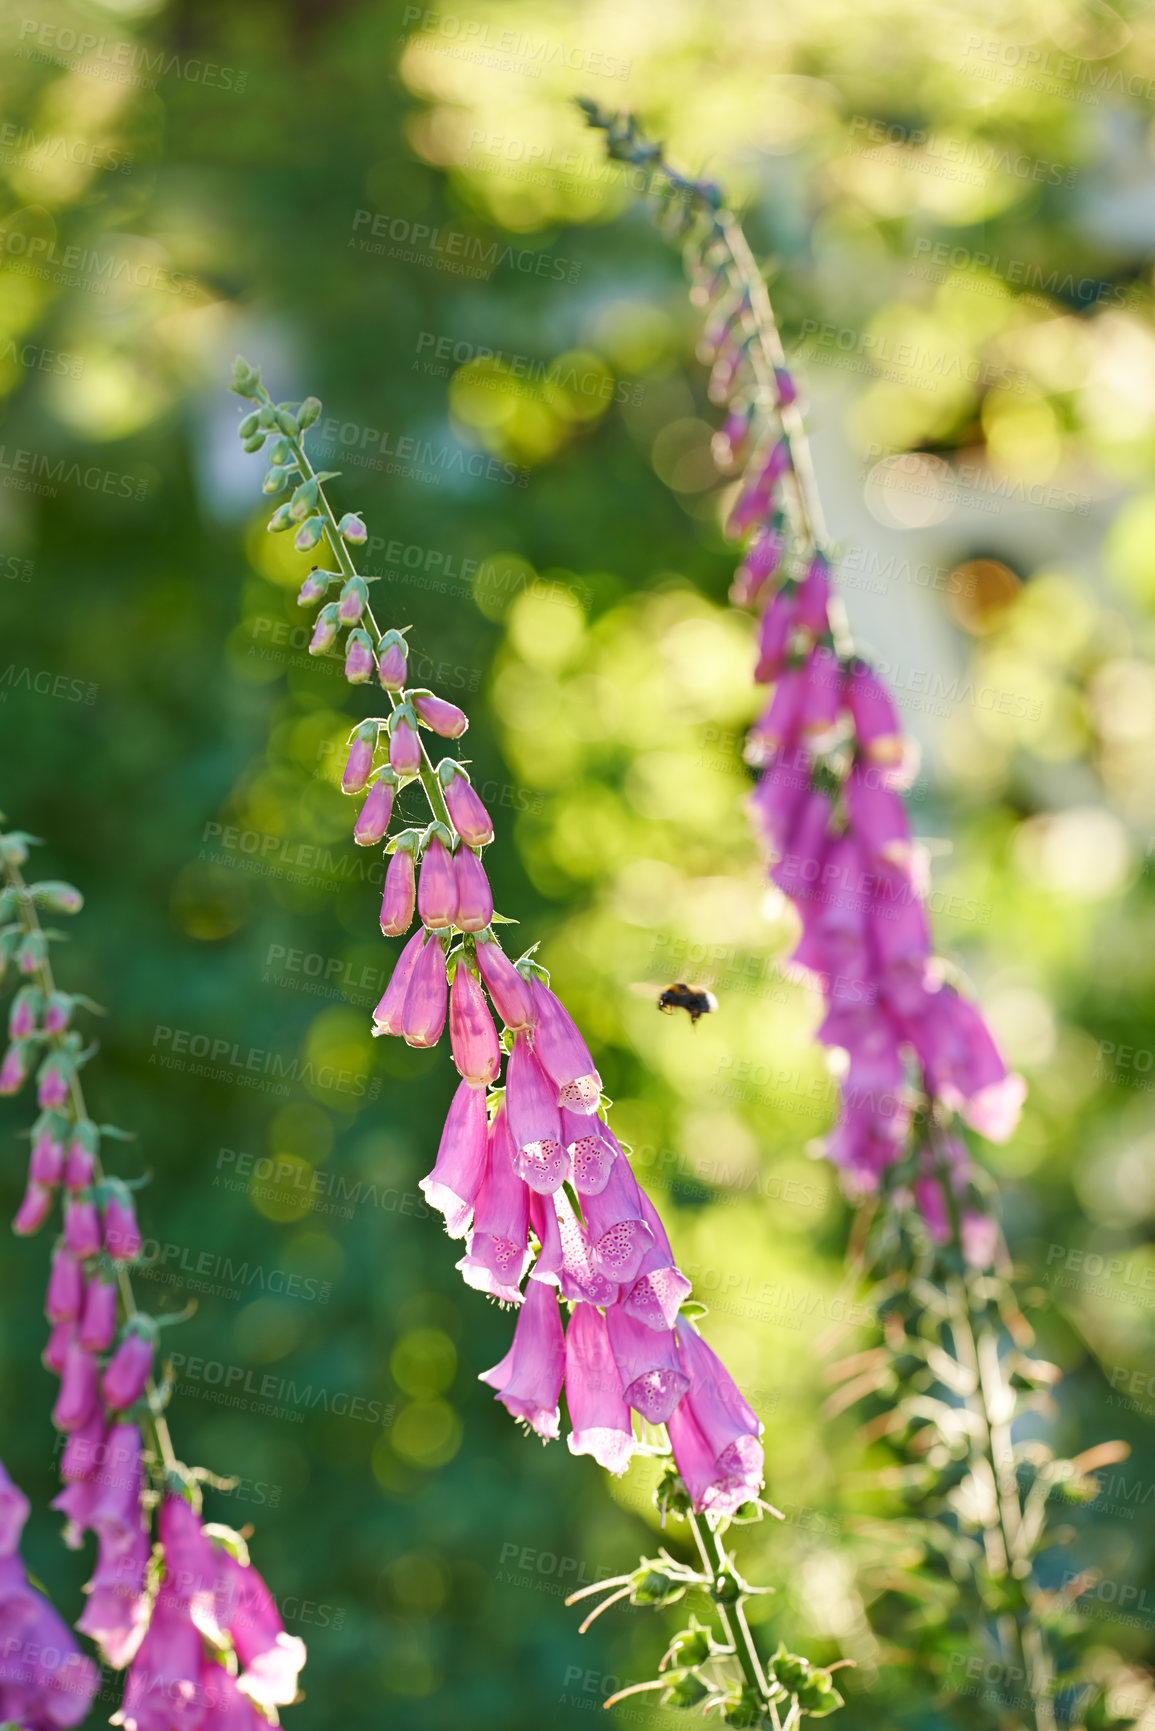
x: 644, y: 989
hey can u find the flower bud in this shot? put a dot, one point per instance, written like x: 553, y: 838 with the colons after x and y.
x: 439, y: 715
x: 281, y: 452
x: 128, y: 1370
x: 98, y: 1318
x: 57, y: 1012
x: 387, y: 1015
x: 64, y: 1299
x: 391, y: 661
x: 278, y: 479
x: 315, y: 585
x: 324, y: 630
x: 359, y: 661
x: 352, y: 603
x: 352, y: 529
x: 474, y: 896
x: 77, y: 1395
x: 437, y: 886
x: 80, y: 1162
x: 359, y: 763
x: 279, y: 521
x: 510, y: 992
x: 53, y: 1079
x: 47, y: 1163
x: 32, y: 952
x: 56, y: 1347
x: 81, y: 1226
x: 472, y: 1035
x: 121, y: 1232
x: 14, y: 1069
x: 404, y: 745
x: 423, y: 1013
x: 33, y: 1210
x: 470, y: 818
x: 25, y: 1013
x: 308, y: 412
x: 304, y: 501
x: 400, y: 895
x: 373, y: 818
x: 309, y: 534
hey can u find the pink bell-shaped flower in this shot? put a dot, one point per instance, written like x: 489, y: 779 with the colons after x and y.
x: 472, y: 1035
x: 469, y: 817
x: 423, y: 1013
x: 474, y: 896
x: 508, y: 988
x: 373, y: 818
x: 497, y: 1250
x: 404, y: 745
x: 528, y: 1380
x: 562, y: 1053
x: 653, y: 1379
x: 399, y: 898
x: 439, y: 715
x: 129, y: 1368
x: 535, y: 1125
x: 437, y: 886
x: 459, y: 1169
x: 387, y: 1016
x: 598, y: 1411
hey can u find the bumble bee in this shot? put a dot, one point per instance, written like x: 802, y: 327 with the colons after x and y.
x: 695, y: 1000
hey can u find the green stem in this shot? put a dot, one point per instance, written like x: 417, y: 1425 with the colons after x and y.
x: 427, y: 773
x: 731, y: 1617
x: 31, y: 923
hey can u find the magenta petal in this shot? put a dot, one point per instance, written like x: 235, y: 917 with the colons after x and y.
x: 472, y: 1035
x: 387, y: 1015
x: 528, y: 1380
x: 437, y: 886
x: 508, y: 989
x: 426, y: 999
x: 591, y: 1148
x: 456, y: 1178
x: 562, y: 1053
x: 653, y: 1379
x: 599, y: 1415
x: 400, y: 895
x: 474, y: 896
x: 616, y: 1223
x: 373, y: 818
x: 534, y: 1121
x: 497, y: 1250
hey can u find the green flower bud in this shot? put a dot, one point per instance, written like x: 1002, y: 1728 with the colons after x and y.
x: 308, y: 412
x: 255, y: 443
x: 788, y: 1669
x: 818, y: 1696
x: 276, y: 480
x: 690, y: 1646
x: 309, y: 533
x: 286, y: 422
x: 249, y: 425
x: 62, y: 898
x: 650, y: 1586
x: 743, y: 1708
x: 303, y: 502
x: 281, y: 451
x: 687, y: 1691
x: 279, y: 520
x: 245, y: 380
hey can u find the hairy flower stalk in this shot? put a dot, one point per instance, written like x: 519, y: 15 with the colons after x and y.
x: 920, y: 1067
x: 528, y: 1173
x: 204, y: 1651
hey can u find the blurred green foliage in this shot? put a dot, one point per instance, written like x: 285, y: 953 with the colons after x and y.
x: 957, y: 202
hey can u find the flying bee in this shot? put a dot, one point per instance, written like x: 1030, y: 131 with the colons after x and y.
x: 695, y: 1000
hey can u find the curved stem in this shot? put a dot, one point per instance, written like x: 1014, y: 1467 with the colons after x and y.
x: 731, y: 1617
x: 31, y: 922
